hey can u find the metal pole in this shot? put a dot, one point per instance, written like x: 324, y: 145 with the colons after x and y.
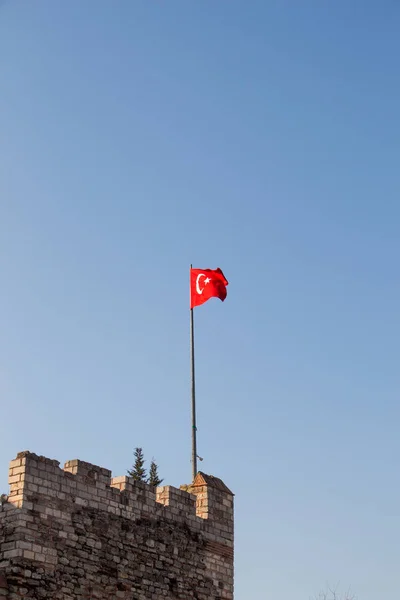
x: 194, y: 428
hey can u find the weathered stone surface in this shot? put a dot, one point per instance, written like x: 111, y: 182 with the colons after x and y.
x: 78, y: 534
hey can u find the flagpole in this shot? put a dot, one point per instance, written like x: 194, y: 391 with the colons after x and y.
x: 194, y: 428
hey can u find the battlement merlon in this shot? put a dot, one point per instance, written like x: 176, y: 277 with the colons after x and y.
x: 214, y: 501
x: 207, y: 503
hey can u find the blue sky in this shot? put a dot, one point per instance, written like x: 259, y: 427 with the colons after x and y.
x: 137, y: 137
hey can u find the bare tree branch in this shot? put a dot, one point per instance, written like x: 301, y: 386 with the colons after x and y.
x: 332, y: 593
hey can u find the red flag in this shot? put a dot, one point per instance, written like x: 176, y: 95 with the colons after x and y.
x: 206, y: 284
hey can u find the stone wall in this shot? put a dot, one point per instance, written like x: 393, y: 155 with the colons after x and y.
x: 77, y: 533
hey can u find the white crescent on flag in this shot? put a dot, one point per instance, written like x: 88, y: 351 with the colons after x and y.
x: 207, y: 280
x: 198, y: 290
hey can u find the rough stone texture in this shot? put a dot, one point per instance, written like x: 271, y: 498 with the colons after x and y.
x: 77, y: 533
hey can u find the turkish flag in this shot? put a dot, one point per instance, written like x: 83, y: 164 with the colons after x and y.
x: 206, y: 284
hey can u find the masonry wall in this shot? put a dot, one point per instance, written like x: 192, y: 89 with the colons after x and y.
x: 77, y: 533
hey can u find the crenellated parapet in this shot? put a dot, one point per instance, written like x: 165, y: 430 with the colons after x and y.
x: 32, y: 477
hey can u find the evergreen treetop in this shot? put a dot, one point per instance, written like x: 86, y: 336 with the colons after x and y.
x: 138, y: 472
x: 154, y: 478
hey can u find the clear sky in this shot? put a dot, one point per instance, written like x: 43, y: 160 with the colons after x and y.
x: 263, y: 137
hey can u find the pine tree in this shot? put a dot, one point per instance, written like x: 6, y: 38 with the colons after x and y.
x: 154, y: 478
x: 138, y: 472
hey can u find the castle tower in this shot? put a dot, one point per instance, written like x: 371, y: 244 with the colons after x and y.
x: 78, y: 534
